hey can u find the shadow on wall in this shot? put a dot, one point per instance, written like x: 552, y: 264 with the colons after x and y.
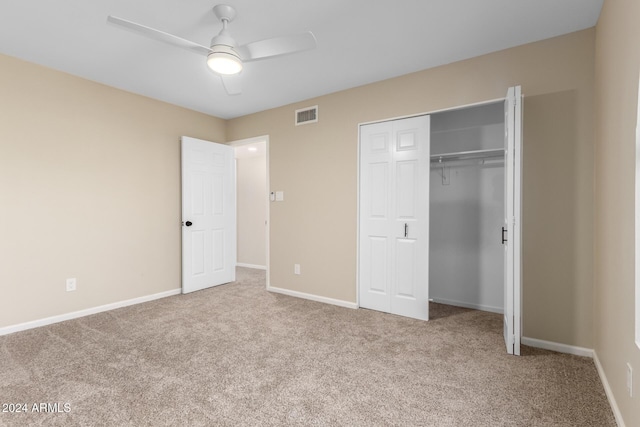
x: 556, y: 252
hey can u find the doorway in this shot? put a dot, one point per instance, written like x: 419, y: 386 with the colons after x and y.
x: 252, y: 183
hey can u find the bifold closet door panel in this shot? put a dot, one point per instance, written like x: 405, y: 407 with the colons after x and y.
x: 394, y: 217
x: 375, y: 214
x: 410, y: 283
x: 513, y: 221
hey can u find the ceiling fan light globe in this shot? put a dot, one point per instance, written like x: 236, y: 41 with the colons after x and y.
x: 223, y: 63
x: 224, y: 60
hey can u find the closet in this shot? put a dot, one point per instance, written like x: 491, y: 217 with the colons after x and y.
x: 466, y: 204
x: 439, y: 212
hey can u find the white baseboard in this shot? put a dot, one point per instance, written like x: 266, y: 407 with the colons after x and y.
x: 560, y: 348
x: 467, y: 305
x: 607, y: 390
x: 317, y: 298
x: 581, y: 351
x: 254, y: 266
x: 81, y: 313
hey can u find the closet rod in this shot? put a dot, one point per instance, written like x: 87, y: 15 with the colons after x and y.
x: 467, y: 155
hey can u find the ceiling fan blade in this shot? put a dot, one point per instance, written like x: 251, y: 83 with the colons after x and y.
x: 159, y: 35
x: 276, y: 46
x: 232, y: 84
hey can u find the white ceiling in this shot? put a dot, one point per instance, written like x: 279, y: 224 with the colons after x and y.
x: 359, y: 42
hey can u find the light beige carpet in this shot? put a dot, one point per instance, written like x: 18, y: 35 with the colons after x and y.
x: 238, y: 355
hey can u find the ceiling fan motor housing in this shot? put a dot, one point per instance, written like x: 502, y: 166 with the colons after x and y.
x: 223, y: 38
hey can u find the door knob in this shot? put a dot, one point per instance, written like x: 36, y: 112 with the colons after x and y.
x: 188, y: 223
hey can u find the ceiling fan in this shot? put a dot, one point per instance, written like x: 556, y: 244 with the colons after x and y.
x: 224, y: 56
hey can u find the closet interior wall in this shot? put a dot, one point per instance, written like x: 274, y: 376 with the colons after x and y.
x: 467, y: 209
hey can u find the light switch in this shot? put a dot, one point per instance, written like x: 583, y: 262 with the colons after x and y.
x: 279, y: 196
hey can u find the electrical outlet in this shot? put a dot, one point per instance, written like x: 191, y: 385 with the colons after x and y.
x: 71, y: 284
x: 296, y: 269
x: 630, y: 379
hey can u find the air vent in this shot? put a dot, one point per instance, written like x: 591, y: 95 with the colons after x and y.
x: 307, y: 115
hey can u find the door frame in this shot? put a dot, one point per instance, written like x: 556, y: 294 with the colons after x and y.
x: 249, y: 141
x: 431, y: 112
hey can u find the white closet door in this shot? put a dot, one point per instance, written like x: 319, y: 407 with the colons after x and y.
x: 512, y: 220
x: 394, y: 217
x: 208, y: 214
x: 376, y: 164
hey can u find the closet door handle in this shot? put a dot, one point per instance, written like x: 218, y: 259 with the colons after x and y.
x: 406, y: 229
x: 503, y: 231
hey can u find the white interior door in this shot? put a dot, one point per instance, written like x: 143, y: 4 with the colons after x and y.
x: 394, y: 217
x: 208, y: 214
x: 512, y: 220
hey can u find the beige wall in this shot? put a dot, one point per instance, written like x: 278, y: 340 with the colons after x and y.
x: 89, y: 188
x: 316, y: 166
x: 251, y: 181
x: 617, y: 67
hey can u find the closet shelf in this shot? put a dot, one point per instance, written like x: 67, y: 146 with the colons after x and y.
x: 467, y: 155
